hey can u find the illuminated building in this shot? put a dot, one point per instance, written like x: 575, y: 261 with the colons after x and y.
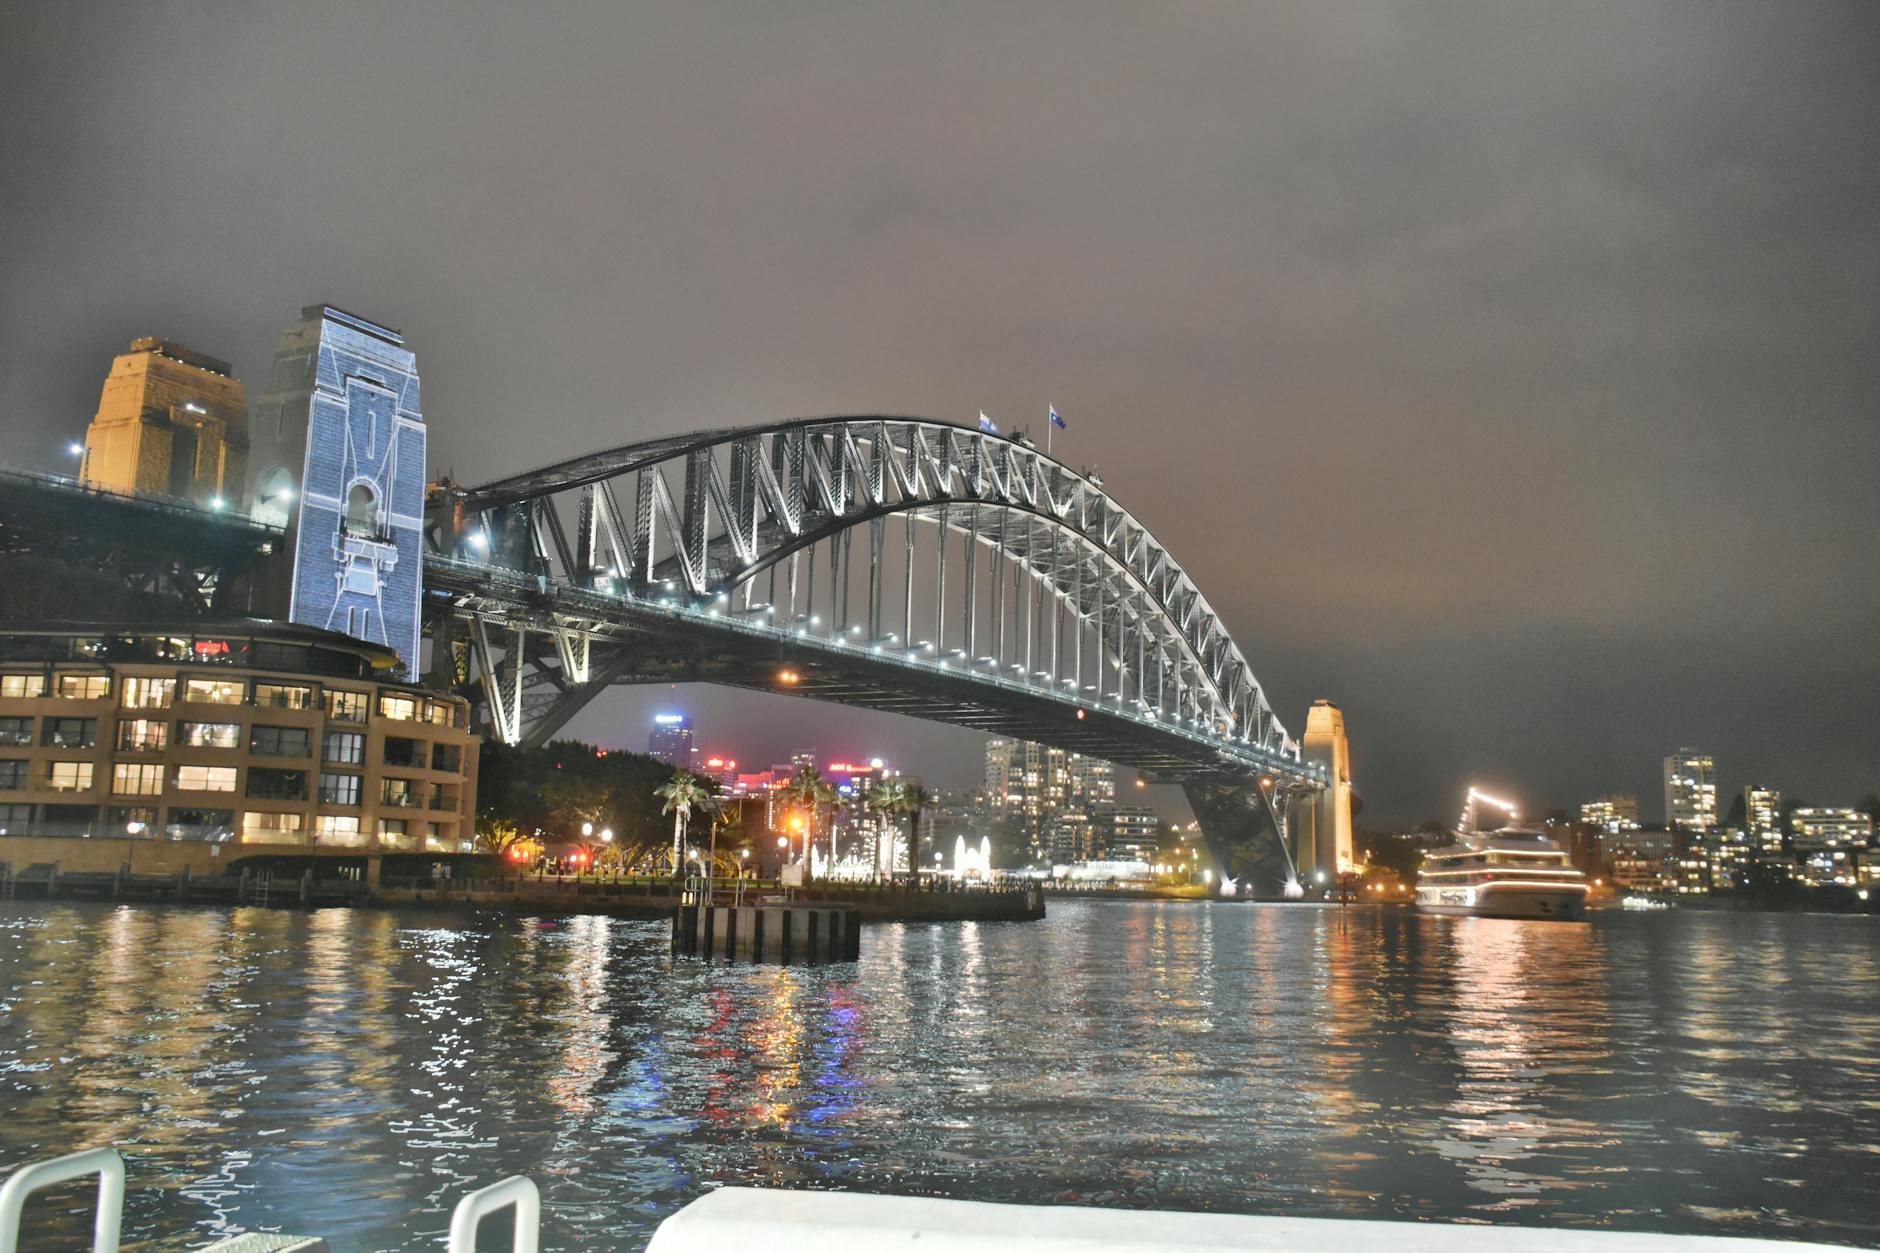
x: 337, y: 457
x: 1824, y: 830
x: 671, y: 740
x: 1690, y: 791
x: 1615, y: 813
x: 1762, y: 812
x: 1135, y: 834
x: 248, y: 732
x: 1323, y: 840
x: 171, y: 422
x: 1033, y: 784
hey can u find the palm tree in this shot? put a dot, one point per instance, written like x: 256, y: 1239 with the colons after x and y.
x: 807, y: 791
x: 884, y: 799
x: 683, y: 793
x: 913, y: 799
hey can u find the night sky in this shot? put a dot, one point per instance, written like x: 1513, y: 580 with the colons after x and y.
x: 1507, y: 373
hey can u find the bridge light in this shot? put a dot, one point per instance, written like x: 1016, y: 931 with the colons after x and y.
x: 75, y: 448
x: 1080, y: 715
x: 216, y: 503
x: 788, y: 676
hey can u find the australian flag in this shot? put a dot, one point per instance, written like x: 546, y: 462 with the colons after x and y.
x: 986, y: 424
x: 1055, y: 420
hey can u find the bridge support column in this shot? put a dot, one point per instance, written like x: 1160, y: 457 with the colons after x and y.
x: 1327, y: 818
x: 1239, y: 828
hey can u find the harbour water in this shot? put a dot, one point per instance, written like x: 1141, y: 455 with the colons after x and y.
x: 352, y: 1073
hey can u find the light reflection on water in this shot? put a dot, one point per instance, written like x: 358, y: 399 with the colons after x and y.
x: 352, y: 1073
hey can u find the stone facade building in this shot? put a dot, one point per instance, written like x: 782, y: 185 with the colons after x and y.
x: 171, y: 422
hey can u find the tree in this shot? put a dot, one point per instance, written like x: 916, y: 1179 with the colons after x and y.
x: 683, y: 793
x: 913, y: 799
x: 883, y: 799
x: 808, y: 791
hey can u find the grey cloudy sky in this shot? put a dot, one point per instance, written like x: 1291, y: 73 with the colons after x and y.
x: 1506, y: 372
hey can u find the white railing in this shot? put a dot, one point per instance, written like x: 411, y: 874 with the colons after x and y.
x: 22, y: 1183
x: 516, y: 1192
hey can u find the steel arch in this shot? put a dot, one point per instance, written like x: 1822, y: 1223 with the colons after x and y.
x: 715, y: 511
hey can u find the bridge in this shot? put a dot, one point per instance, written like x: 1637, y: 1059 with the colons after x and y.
x: 892, y: 563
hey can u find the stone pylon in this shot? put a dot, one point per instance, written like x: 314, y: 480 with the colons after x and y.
x: 1323, y: 844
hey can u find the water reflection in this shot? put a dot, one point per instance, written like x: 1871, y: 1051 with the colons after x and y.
x: 354, y: 1073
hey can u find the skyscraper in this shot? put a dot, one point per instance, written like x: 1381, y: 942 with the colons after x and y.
x: 1762, y: 815
x: 1035, y: 785
x: 671, y: 740
x: 1690, y: 791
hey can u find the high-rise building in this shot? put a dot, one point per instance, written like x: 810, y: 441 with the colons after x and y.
x: 1762, y: 814
x: 171, y: 422
x: 1041, y: 788
x: 1615, y: 813
x: 1690, y: 791
x: 1820, y: 830
x: 671, y: 740
x: 1135, y: 834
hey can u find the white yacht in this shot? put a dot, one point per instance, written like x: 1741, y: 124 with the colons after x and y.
x: 1508, y: 873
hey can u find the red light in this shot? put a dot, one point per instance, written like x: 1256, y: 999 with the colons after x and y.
x: 1080, y: 715
x: 212, y: 648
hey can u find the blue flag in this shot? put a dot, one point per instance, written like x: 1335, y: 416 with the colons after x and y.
x: 986, y: 424
x: 1056, y: 421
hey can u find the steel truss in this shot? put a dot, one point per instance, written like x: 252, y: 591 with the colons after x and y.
x: 890, y: 562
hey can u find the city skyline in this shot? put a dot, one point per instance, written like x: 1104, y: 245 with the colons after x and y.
x: 1454, y: 432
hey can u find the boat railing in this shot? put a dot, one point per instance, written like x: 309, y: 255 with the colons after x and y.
x: 36, y: 1176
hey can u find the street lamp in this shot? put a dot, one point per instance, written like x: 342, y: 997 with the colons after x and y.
x: 607, y: 835
x: 587, y: 828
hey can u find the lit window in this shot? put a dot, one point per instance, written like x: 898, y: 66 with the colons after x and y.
x: 82, y: 686
x: 137, y: 779
x: 397, y: 708
x: 215, y: 691
x: 139, y: 735
x: 400, y: 793
x: 210, y: 734
x: 22, y: 686
x: 340, y: 829
x: 205, y: 778
x: 343, y: 706
x: 259, y: 828
x: 283, y: 696
x: 69, y: 776
x: 136, y: 821
x: 148, y: 693
x: 393, y: 833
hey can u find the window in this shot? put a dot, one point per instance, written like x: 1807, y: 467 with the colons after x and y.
x: 339, y: 789
x: 71, y: 732
x: 205, y: 778
x: 399, y: 793
x: 142, y: 735
x: 446, y: 757
x: 22, y: 686
x: 401, y: 752
x: 16, y: 819
x: 68, y: 820
x: 392, y: 832
x: 278, y: 741
x: 200, y: 824
x: 137, y: 779
x: 397, y: 708
x: 136, y: 821
x: 69, y: 776
x: 341, y: 829
x: 148, y: 693
x: 210, y: 734
x: 345, y: 706
x: 16, y: 730
x: 438, y: 712
x: 278, y: 785
x: 283, y: 696
x: 215, y: 691
x: 362, y: 511
x: 13, y: 774
x: 259, y: 828
x: 346, y: 748
x: 82, y: 686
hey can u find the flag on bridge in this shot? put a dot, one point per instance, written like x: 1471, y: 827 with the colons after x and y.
x: 1056, y: 421
x: 986, y: 424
